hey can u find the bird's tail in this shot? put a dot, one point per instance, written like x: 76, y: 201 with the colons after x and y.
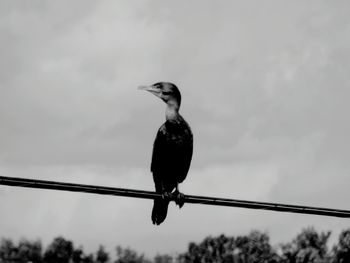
x: 159, y: 211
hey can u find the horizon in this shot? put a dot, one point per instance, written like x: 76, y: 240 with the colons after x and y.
x: 275, y: 247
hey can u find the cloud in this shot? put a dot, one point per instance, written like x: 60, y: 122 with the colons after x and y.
x: 265, y: 90
x: 69, y: 213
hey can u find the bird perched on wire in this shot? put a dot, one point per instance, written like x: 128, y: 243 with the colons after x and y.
x: 172, y: 150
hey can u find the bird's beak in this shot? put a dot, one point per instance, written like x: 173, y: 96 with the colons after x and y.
x: 152, y: 89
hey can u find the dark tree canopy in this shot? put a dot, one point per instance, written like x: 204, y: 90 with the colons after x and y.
x: 59, y: 251
x: 77, y: 255
x: 127, y: 255
x: 252, y: 248
x: 342, y: 249
x: 29, y: 251
x: 6, y: 250
x: 163, y: 259
x: 308, y: 246
x: 25, y: 251
x: 101, y: 255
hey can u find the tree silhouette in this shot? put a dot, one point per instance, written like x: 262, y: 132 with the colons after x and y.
x: 78, y: 254
x: 163, y: 259
x: 255, y: 248
x: 127, y: 255
x: 29, y: 251
x: 88, y: 259
x: 209, y: 250
x: 101, y: 255
x: 59, y: 251
x: 342, y: 249
x: 26, y: 251
x: 308, y: 246
x: 7, y: 250
x: 252, y: 248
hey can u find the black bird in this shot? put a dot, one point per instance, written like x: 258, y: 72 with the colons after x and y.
x: 172, y: 150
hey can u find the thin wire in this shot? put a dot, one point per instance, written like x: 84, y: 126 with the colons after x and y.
x: 192, y: 199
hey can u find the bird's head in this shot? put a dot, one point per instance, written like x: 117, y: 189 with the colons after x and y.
x: 167, y: 91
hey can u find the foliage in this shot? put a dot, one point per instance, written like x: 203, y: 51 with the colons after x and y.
x: 26, y: 251
x: 163, y: 259
x: 308, y: 246
x: 255, y: 248
x: 77, y: 256
x: 342, y: 249
x: 101, y: 255
x: 29, y: 251
x: 88, y: 259
x: 6, y: 250
x: 209, y: 250
x: 59, y: 251
x: 127, y: 255
x: 252, y: 248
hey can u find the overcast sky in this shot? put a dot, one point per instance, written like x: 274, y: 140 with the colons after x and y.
x: 265, y: 88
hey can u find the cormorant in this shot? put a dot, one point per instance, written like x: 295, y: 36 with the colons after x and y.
x: 172, y: 150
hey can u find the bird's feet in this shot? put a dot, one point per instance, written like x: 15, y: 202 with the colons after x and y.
x: 166, y: 195
x: 179, y: 198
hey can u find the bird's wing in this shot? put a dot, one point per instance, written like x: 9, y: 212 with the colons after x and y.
x: 172, y: 153
x: 184, y: 150
x: 158, y: 166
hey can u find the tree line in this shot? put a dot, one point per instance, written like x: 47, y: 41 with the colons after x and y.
x: 308, y: 246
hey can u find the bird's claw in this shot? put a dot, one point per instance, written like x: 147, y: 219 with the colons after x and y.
x: 179, y: 198
x: 166, y: 196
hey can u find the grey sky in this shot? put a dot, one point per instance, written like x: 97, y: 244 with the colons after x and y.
x: 265, y: 88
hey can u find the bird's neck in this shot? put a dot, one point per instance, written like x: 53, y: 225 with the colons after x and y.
x: 172, y: 110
